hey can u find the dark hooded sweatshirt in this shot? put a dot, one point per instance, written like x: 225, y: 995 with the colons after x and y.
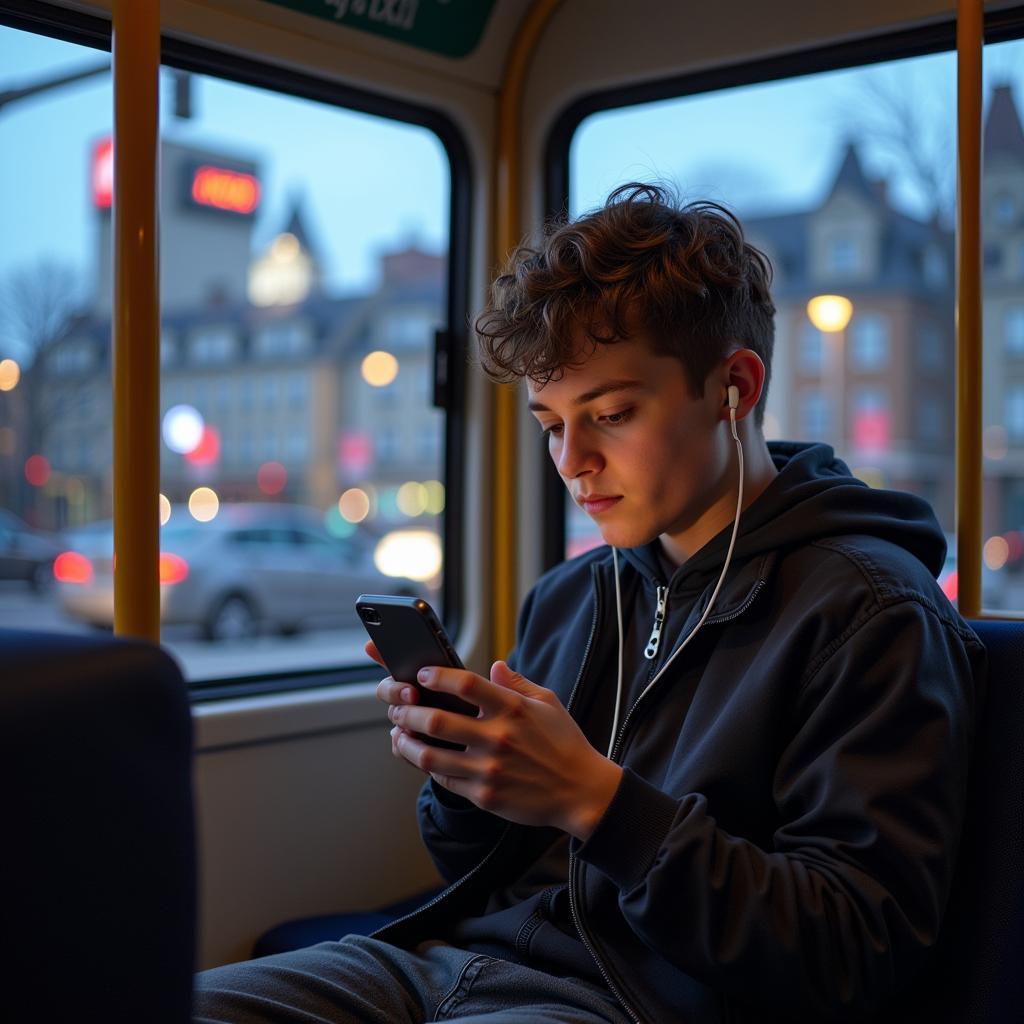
x: 781, y: 844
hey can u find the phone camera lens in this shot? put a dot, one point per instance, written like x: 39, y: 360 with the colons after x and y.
x: 370, y: 616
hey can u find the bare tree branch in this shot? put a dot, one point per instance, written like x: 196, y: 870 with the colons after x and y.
x: 895, y: 118
x: 37, y: 305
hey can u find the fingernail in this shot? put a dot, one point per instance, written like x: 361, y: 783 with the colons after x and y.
x: 407, y: 695
x: 425, y: 675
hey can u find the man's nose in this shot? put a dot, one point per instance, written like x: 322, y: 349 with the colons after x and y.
x: 578, y: 455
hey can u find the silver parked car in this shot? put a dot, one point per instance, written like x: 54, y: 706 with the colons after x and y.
x: 253, y: 567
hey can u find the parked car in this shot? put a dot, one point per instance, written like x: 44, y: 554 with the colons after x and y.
x: 253, y: 567
x: 26, y: 554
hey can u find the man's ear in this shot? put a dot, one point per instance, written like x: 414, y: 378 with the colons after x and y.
x: 744, y: 371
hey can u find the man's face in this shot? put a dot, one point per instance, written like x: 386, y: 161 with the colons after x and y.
x: 637, y: 451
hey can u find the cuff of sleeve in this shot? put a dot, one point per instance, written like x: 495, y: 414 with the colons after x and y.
x: 631, y: 831
x: 455, y: 816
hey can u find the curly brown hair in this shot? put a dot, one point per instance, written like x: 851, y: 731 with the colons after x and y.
x: 682, y: 273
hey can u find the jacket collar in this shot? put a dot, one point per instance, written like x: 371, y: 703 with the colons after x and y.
x: 739, y: 591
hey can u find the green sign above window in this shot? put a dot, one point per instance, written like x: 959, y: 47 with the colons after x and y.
x: 449, y: 27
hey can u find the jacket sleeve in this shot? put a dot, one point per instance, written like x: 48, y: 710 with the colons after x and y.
x: 457, y: 834
x: 870, y: 790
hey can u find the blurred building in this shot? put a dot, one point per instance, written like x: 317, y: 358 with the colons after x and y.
x: 894, y: 423
x: 252, y: 341
x: 898, y: 273
x: 1002, y: 216
x: 275, y: 364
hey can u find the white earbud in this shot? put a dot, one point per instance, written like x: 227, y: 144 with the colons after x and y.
x: 734, y: 396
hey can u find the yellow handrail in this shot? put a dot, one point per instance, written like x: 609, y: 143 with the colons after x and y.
x: 969, y: 27
x: 136, y: 61
x: 508, y: 231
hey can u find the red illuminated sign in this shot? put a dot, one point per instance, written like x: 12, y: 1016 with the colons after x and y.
x: 871, y: 430
x: 225, y: 190
x: 103, y: 174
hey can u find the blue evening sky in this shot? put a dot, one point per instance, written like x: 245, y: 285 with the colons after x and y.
x: 369, y: 185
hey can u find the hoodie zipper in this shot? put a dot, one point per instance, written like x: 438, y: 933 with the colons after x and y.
x: 574, y: 901
x: 578, y: 921
x: 660, y: 611
x: 713, y: 620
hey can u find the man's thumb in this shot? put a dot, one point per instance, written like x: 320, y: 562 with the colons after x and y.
x: 502, y: 675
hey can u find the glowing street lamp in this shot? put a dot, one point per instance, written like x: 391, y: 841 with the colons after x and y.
x: 830, y: 314
x: 10, y: 374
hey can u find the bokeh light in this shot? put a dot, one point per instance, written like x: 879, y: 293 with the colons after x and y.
x: 435, y: 497
x: 173, y: 568
x: 829, y: 313
x: 271, y: 478
x: 336, y: 525
x: 37, y: 470
x: 72, y: 567
x: 182, y: 428
x: 412, y: 553
x: 165, y: 510
x: 411, y: 498
x: 285, y: 247
x: 207, y: 452
x: 203, y: 504
x: 996, y: 552
x: 354, y: 505
x: 379, y: 369
x: 387, y: 502
x: 10, y: 374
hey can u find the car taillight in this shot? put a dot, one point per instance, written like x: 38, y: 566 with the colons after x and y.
x: 173, y: 568
x: 71, y: 567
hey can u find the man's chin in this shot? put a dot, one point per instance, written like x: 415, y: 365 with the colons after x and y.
x: 625, y: 536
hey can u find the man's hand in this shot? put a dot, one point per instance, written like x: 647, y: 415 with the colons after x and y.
x: 525, y: 760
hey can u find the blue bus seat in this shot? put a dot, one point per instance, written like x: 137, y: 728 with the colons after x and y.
x: 98, y: 853
x: 974, y: 975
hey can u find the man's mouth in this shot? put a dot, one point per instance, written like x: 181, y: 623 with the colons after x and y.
x: 593, y: 504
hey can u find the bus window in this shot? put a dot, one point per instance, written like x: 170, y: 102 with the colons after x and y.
x: 304, y: 272
x: 54, y: 361
x: 849, y: 188
x: 1002, y: 226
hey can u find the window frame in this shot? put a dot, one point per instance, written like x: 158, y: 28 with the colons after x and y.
x: 939, y: 37
x: 95, y: 32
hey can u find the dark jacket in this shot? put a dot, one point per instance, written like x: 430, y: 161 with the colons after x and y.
x: 782, y: 842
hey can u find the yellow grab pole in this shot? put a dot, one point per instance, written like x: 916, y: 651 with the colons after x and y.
x: 136, y: 61
x: 508, y: 231
x: 969, y: 27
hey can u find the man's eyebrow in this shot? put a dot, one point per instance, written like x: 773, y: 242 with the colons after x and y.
x: 600, y: 391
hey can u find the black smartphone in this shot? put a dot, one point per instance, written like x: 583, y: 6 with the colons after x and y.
x: 409, y: 636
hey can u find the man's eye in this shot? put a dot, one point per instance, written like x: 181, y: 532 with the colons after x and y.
x: 555, y: 429
x: 616, y: 419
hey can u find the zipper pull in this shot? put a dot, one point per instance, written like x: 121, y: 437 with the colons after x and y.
x: 651, y: 650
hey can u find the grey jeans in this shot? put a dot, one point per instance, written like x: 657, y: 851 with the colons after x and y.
x: 360, y: 980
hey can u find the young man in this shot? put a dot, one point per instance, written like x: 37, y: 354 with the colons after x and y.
x: 722, y: 776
